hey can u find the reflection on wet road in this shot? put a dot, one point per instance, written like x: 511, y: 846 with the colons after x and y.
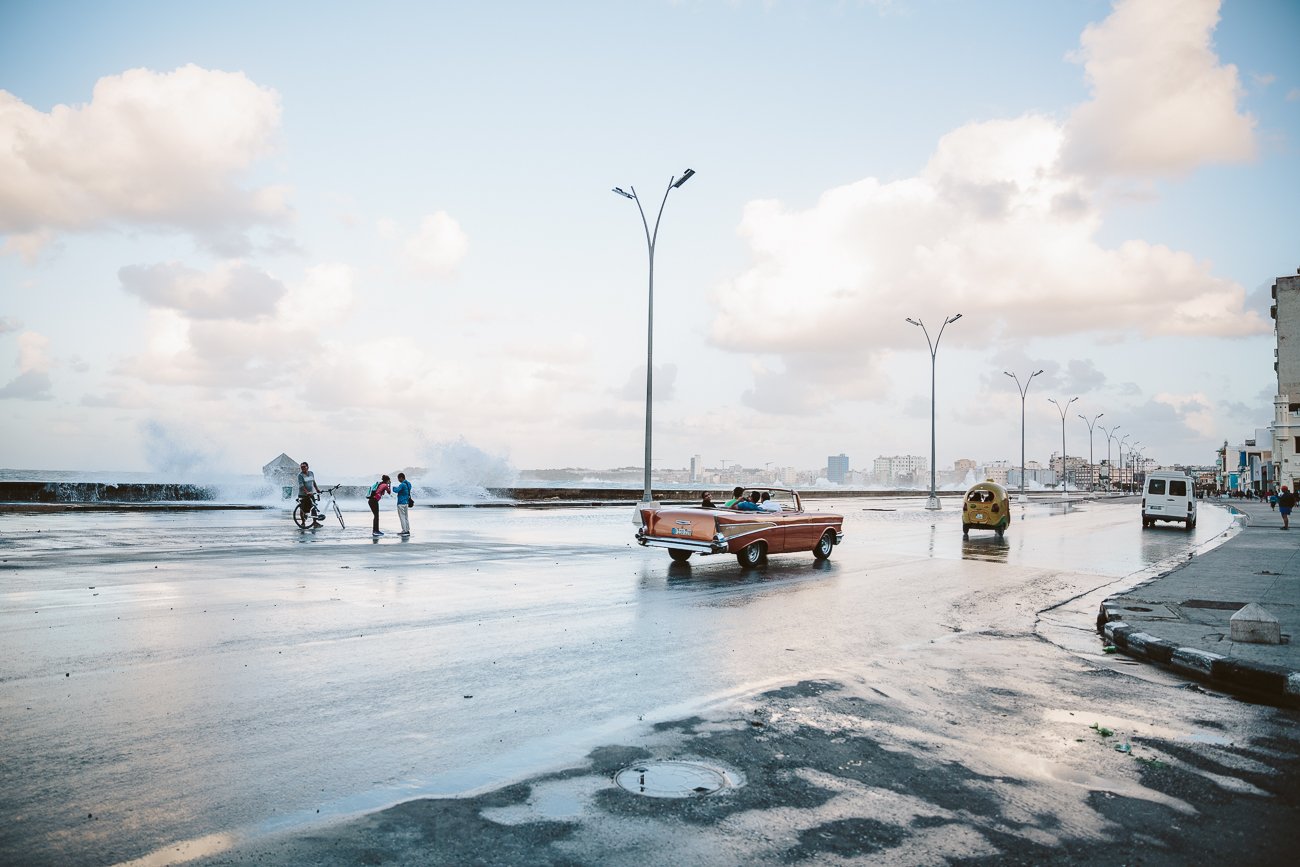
x: 186, y: 676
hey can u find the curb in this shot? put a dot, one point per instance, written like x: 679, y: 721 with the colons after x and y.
x: 1271, y: 682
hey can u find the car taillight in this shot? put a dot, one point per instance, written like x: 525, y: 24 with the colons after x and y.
x: 995, y: 508
x: 963, y: 505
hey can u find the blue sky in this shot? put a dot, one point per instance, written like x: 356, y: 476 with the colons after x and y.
x: 354, y: 233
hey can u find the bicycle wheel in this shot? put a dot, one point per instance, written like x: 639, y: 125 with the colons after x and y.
x: 301, y: 518
x: 338, y: 513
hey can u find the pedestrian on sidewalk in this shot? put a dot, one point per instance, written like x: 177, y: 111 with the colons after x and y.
x: 1285, y: 503
x: 377, y: 491
x: 1272, y: 500
x: 404, y: 502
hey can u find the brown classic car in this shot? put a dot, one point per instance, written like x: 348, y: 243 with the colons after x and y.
x: 779, y: 526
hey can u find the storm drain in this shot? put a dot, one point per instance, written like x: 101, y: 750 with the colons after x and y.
x: 670, y: 778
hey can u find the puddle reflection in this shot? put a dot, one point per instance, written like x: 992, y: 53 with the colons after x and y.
x: 992, y: 548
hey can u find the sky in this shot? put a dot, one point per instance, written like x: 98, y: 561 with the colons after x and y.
x: 363, y: 233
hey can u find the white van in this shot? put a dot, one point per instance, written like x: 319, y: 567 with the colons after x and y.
x: 1169, y: 496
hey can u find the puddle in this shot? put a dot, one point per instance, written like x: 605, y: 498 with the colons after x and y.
x: 671, y: 778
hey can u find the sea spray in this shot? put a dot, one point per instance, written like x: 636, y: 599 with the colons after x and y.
x: 457, y: 472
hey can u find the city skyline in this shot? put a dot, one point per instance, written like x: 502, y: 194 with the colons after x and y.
x: 377, y: 238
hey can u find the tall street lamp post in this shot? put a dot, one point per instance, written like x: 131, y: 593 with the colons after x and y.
x: 1023, y: 389
x: 1092, y: 467
x: 650, y: 238
x: 1110, y: 468
x: 933, y: 502
x: 1065, y: 485
x: 1121, y: 459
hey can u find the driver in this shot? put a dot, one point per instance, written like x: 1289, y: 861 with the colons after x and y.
x: 307, y: 491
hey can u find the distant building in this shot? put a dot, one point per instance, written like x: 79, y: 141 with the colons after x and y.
x: 899, y: 468
x: 837, y: 468
x: 697, y: 468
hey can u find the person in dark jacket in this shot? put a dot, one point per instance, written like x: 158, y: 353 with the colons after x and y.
x: 1285, y: 503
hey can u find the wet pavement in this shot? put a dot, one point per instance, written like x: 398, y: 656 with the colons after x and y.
x: 221, y: 685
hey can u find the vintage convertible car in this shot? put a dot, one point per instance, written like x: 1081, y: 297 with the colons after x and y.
x: 750, y: 535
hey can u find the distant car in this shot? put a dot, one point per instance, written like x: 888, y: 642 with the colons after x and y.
x: 1169, y: 496
x: 750, y: 535
x: 985, y: 507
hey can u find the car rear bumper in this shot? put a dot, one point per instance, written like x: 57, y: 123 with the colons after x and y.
x: 694, y: 545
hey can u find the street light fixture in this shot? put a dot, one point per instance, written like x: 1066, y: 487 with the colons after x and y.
x: 1023, y: 391
x: 1110, y: 468
x: 1065, y: 485
x: 1092, y: 467
x: 933, y: 503
x: 650, y: 238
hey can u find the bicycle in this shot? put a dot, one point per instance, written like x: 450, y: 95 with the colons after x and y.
x: 305, y: 520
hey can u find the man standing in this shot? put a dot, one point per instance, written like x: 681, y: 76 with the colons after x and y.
x: 307, y: 491
x: 1285, y: 503
x: 403, y: 491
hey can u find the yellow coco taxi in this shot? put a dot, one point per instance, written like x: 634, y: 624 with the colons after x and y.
x: 985, y: 507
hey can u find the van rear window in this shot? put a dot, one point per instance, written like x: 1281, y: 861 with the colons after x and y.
x: 1157, y: 486
x: 1177, y: 488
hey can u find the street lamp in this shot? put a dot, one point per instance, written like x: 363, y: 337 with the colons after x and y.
x: 1065, y: 486
x: 1023, y: 391
x: 933, y: 502
x: 1133, y: 452
x: 1092, y: 467
x: 1121, y: 459
x: 1110, y: 468
x: 650, y: 238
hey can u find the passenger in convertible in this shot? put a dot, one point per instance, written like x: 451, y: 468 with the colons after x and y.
x: 749, y: 505
x: 736, y: 494
x: 767, y: 504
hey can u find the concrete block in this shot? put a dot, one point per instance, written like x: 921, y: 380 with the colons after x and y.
x: 1254, y: 625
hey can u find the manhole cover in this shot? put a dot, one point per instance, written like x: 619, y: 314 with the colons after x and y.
x: 668, y: 778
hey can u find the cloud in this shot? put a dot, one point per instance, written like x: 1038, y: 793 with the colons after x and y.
x: 233, y: 291
x: 991, y: 228
x: 435, y: 249
x: 33, y: 380
x: 1082, y: 376
x: 7, y: 325
x: 1161, y: 101
x: 166, y: 150
x: 665, y: 383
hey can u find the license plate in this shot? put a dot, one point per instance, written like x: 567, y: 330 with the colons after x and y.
x: 681, y: 531
x: 1155, y: 508
x: 979, y: 517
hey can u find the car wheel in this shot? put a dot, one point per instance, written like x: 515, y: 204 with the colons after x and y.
x: 965, y: 529
x: 824, y: 546
x: 751, y: 555
x: 679, y: 556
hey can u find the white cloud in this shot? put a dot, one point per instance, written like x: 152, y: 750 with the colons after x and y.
x: 992, y: 227
x: 7, y: 325
x: 33, y: 380
x: 159, y: 149
x: 435, y: 249
x: 234, y: 290
x: 1161, y: 101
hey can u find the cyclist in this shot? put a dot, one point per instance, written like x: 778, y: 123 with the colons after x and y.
x: 307, y: 492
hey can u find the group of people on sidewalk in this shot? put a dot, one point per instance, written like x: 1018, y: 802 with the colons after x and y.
x: 308, y: 490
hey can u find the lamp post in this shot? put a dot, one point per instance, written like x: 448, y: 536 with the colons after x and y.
x: 1091, y: 466
x: 1121, y: 459
x: 1023, y: 391
x: 1110, y: 468
x: 1065, y: 485
x: 933, y: 502
x: 650, y: 238
x: 1133, y: 452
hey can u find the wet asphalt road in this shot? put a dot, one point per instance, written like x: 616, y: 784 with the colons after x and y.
x: 184, y: 683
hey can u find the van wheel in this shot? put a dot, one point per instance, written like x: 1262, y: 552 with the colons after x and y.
x: 751, y: 555
x: 824, y: 546
x: 1191, y: 525
x: 679, y: 556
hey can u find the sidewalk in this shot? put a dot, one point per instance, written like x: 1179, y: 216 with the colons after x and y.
x: 1181, y: 619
